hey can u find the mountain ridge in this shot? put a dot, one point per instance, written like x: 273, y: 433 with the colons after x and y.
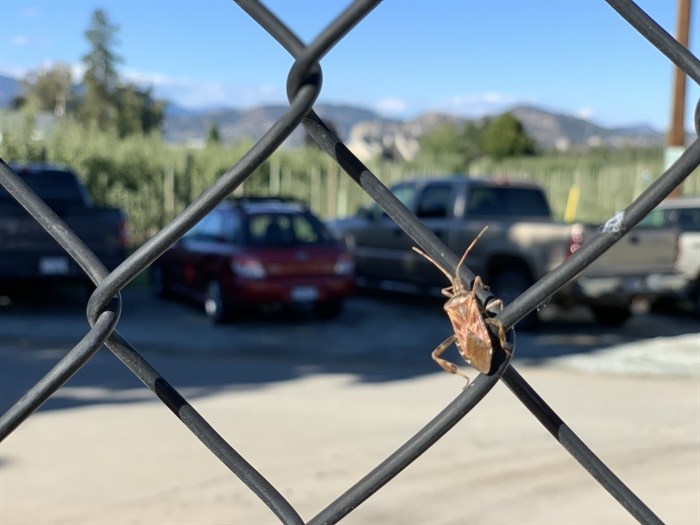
x: 550, y: 129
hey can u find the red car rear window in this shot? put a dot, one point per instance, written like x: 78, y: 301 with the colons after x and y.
x: 285, y: 229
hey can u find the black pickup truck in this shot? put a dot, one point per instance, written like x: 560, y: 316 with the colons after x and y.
x: 28, y: 254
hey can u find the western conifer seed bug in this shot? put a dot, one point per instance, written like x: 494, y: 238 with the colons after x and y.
x: 471, y: 335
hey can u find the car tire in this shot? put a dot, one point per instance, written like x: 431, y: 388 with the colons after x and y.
x: 329, y: 309
x: 695, y: 297
x: 507, y: 285
x: 611, y: 316
x: 214, y: 304
x: 159, y: 285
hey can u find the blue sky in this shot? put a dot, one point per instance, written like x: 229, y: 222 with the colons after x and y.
x: 468, y: 57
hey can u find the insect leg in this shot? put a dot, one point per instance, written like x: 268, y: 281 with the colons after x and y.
x: 495, y: 306
x: 447, y: 292
x: 501, y: 332
x: 447, y: 366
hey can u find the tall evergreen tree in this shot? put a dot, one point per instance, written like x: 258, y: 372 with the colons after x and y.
x: 101, y: 78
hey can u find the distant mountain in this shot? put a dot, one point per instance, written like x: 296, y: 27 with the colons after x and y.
x: 548, y: 128
x: 192, y: 126
x: 557, y: 130
x: 9, y: 89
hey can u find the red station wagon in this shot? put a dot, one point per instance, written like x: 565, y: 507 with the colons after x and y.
x: 255, y: 252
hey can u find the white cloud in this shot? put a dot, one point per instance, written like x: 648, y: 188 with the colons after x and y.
x: 494, y: 98
x: 269, y: 90
x: 141, y: 77
x: 584, y: 113
x: 186, y: 92
x: 77, y: 70
x: 31, y: 12
x: 19, y: 40
x: 391, y: 105
x: 14, y: 71
x: 193, y: 93
x: 471, y: 101
x: 475, y: 105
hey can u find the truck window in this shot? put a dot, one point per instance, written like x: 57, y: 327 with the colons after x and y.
x: 404, y: 192
x: 507, y: 201
x: 54, y: 186
x: 655, y: 219
x: 688, y: 219
x: 435, y: 202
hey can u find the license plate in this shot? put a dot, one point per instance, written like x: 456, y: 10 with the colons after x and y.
x: 304, y: 293
x: 57, y: 265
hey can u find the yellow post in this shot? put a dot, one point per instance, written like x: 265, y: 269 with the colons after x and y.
x: 572, y: 204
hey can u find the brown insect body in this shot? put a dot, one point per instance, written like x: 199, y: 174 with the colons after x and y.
x: 471, y: 333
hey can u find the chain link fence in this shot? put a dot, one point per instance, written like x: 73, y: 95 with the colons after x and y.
x: 303, y: 87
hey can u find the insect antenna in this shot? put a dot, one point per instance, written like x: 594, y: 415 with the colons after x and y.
x: 421, y: 252
x: 461, y: 261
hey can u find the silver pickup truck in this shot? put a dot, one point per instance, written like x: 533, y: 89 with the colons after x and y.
x: 521, y: 245
x: 682, y: 213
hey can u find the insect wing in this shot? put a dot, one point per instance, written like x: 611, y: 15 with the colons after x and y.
x: 472, y: 336
x: 479, y: 353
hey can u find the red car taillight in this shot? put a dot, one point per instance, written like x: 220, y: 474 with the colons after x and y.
x: 122, y: 237
x: 576, y: 239
x: 344, y: 265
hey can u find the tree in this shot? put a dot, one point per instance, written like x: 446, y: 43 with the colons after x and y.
x: 153, y: 111
x: 136, y: 110
x: 213, y: 136
x: 45, y: 90
x: 505, y: 136
x: 456, y: 146
x: 129, y: 106
x: 48, y: 90
x: 100, y: 77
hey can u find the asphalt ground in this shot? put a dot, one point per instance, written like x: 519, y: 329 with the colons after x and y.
x: 315, y: 404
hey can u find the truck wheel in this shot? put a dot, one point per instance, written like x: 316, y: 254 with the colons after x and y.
x: 696, y: 297
x: 214, y: 304
x: 507, y: 285
x: 611, y: 315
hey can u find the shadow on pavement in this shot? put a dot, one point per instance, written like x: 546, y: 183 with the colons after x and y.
x: 380, y: 336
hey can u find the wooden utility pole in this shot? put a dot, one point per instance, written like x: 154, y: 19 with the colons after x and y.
x: 676, y: 135
x: 676, y: 132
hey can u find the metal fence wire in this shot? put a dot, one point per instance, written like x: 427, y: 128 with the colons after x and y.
x: 303, y: 88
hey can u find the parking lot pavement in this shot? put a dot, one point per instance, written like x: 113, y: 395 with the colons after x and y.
x: 344, y: 394
x: 397, y: 330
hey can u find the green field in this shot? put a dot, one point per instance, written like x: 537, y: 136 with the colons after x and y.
x: 153, y: 181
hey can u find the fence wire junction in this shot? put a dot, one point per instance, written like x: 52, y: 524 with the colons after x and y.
x: 303, y: 88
